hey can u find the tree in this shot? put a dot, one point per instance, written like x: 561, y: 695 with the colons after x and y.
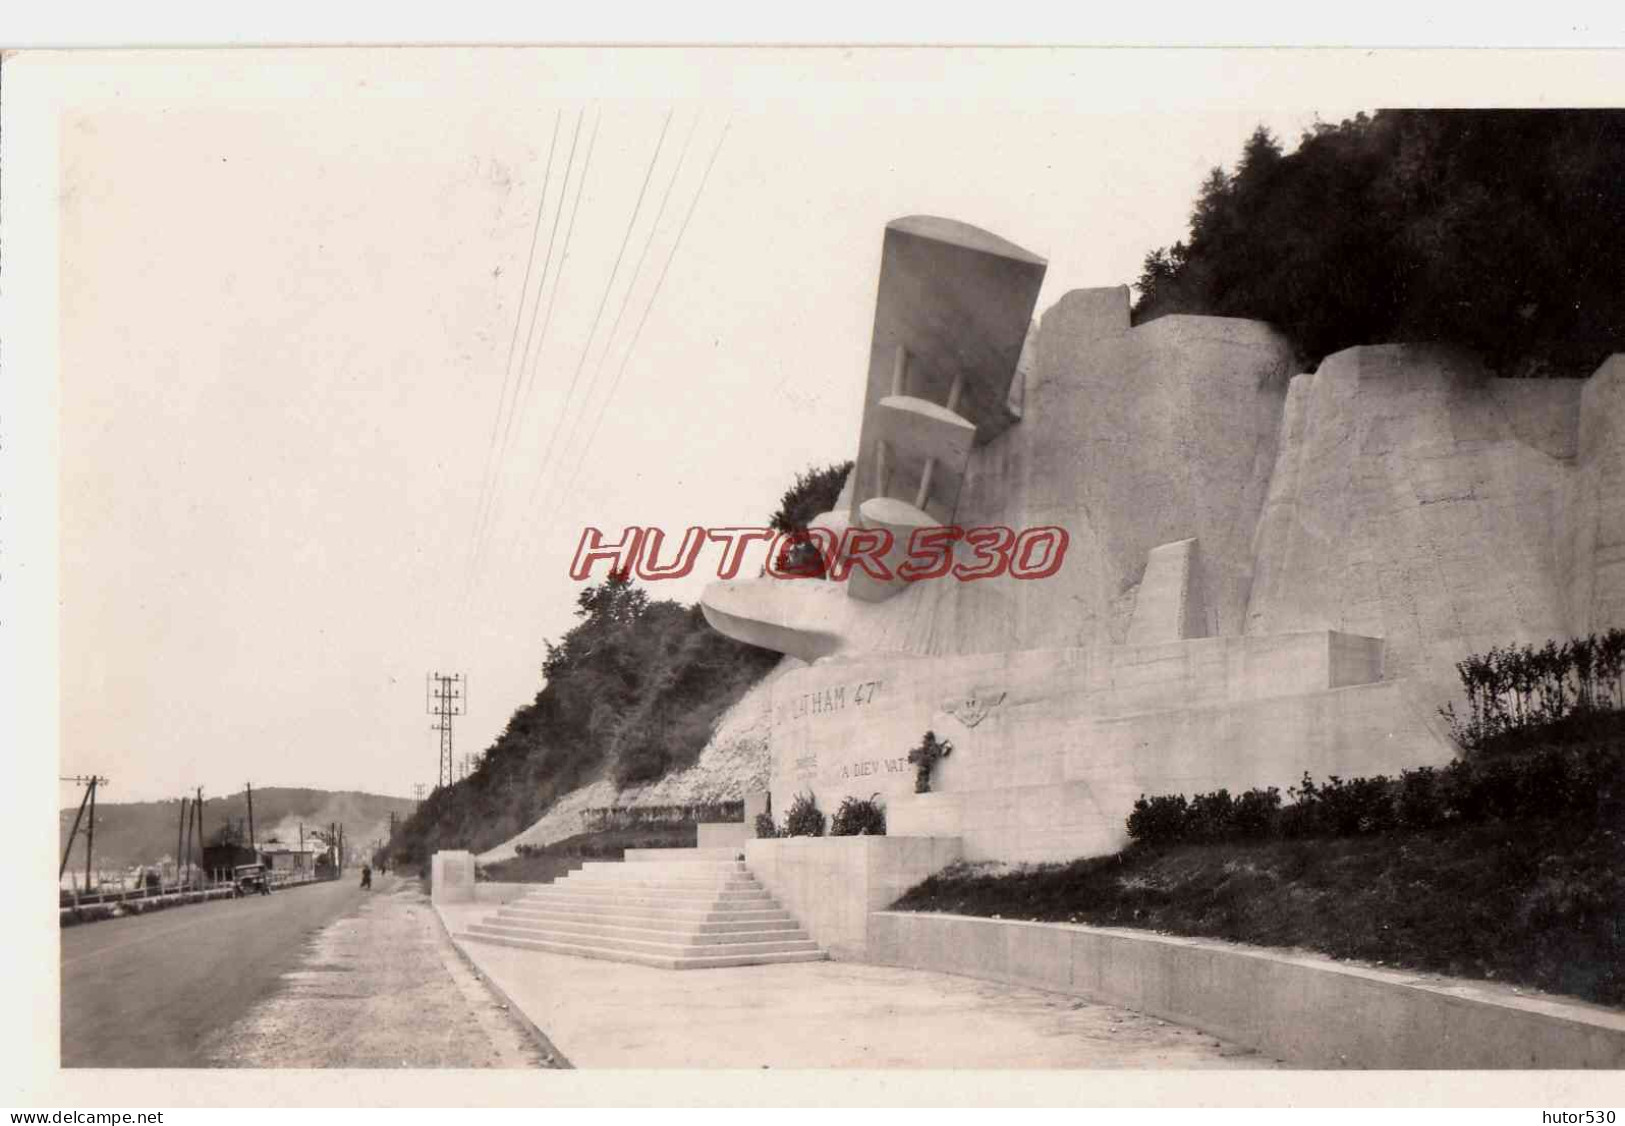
x: 1495, y: 230
x: 813, y: 494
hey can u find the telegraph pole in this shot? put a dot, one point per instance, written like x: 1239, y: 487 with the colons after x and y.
x: 197, y: 814
x: 446, y: 694
x: 184, y: 856
x: 180, y: 840
x: 417, y: 791
x: 90, y: 782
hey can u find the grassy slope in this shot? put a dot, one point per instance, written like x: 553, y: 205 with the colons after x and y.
x: 1540, y: 903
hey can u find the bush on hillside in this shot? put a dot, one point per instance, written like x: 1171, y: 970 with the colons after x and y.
x: 1513, y: 690
x: 1495, y: 230
x: 1582, y: 781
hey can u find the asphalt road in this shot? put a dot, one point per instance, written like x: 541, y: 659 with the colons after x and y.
x: 148, y: 990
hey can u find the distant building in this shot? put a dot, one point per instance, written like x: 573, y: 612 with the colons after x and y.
x: 292, y: 859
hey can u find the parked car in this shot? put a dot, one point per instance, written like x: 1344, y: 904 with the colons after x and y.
x: 250, y: 878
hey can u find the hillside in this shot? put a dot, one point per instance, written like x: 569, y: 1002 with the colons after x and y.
x: 1414, y: 226
x: 636, y: 695
x: 129, y: 833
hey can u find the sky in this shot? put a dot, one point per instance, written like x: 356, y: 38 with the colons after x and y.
x: 292, y: 287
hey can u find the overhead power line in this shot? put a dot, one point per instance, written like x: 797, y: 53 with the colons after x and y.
x: 637, y: 270
x: 486, y: 484
x: 522, y: 391
x: 644, y: 319
x: 592, y: 332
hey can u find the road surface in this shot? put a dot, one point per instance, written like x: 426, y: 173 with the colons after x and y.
x: 383, y: 987
x: 149, y: 990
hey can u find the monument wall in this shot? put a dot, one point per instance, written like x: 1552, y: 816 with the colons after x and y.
x: 1266, y: 574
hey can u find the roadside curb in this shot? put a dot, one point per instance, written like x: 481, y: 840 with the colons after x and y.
x: 560, y: 1061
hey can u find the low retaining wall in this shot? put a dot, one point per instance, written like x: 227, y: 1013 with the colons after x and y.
x: 1301, y: 1008
x: 498, y: 892
x: 833, y: 885
x: 724, y: 834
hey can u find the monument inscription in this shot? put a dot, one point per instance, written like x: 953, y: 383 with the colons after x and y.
x: 824, y: 701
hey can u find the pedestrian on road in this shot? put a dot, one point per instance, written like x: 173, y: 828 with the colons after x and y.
x: 366, y: 876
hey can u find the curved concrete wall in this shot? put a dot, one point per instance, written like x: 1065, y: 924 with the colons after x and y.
x: 1299, y: 1007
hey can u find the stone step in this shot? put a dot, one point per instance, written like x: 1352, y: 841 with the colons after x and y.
x: 623, y: 885
x: 676, y: 873
x: 674, y: 935
x: 676, y: 867
x: 687, y: 960
x: 663, y: 871
x: 682, y: 855
x: 673, y: 898
x: 701, y: 920
x: 659, y: 945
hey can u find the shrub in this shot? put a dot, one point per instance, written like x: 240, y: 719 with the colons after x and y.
x: 1256, y: 813
x: 1210, y: 817
x: 765, y: 829
x: 1360, y: 805
x: 1419, y: 804
x: 1582, y: 779
x: 1158, y: 820
x: 1513, y: 692
x: 859, y: 817
x: 805, y: 819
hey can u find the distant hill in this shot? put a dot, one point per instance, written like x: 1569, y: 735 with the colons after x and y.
x: 144, y: 832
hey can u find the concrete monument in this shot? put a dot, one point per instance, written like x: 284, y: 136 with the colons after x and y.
x: 1267, y: 573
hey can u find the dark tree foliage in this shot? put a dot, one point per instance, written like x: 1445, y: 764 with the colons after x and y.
x: 1501, y: 231
x: 814, y: 493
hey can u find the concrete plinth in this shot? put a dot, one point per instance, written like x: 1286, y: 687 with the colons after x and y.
x: 832, y: 884
x: 451, y: 876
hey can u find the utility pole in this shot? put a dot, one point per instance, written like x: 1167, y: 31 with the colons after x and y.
x: 185, y: 855
x: 248, y: 788
x: 90, y: 782
x: 180, y: 839
x: 445, y: 697
x: 417, y: 791
x: 197, y: 814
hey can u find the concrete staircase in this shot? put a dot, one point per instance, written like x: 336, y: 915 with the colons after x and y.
x: 673, y: 908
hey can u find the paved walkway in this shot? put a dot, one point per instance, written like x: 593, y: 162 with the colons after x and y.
x: 823, y: 1015
x: 381, y: 987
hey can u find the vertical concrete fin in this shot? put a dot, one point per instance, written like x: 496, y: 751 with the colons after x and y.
x: 1598, y: 554
x: 1169, y: 605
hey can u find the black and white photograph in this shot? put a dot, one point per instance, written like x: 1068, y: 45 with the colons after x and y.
x: 1097, y: 569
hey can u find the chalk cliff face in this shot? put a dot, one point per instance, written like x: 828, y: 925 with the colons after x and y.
x: 1398, y: 492
x: 1417, y: 499
x: 1267, y: 573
